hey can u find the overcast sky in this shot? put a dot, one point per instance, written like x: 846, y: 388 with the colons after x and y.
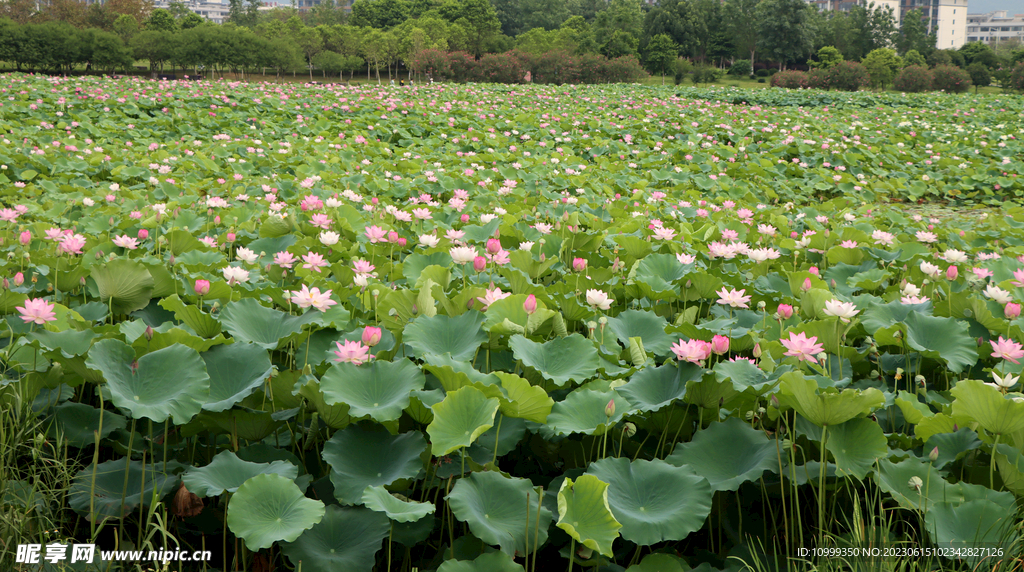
x: 985, y: 6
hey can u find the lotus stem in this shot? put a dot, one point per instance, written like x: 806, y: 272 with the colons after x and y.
x: 992, y: 463
x: 526, y: 535
x: 497, y: 434
x: 821, y: 488
x: 536, y: 530
x: 572, y: 552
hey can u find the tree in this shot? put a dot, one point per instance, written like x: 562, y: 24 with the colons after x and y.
x: 161, y: 19
x: 782, y: 35
x: 310, y: 43
x: 330, y: 62
x: 660, y: 55
x: 139, y: 9
x: 108, y: 51
x: 382, y: 14
x: 882, y: 65
x: 914, y: 34
x: 675, y: 18
x: 740, y: 20
x: 18, y: 11
x: 126, y: 27
x: 619, y: 44
x: 478, y: 17
x: 326, y: 13
x: 828, y: 57
x: 546, y: 14
x: 178, y: 9
x: 152, y: 45
x: 979, y: 52
x: 191, y: 20
x: 980, y: 75
x: 913, y: 58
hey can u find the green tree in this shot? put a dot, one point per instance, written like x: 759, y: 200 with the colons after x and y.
x: 326, y: 13
x: 191, y: 20
x: 178, y: 9
x: 980, y: 75
x: 382, y: 14
x: 547, y: 14
x: 782, y: 34
x: 108, y: 52
x: 913, y: 58
x: 675, y: 18
x: 162, y: 20
x: 914, y: 34
x: 478, y: 17
x: 979, y: 52
x: 882, y: 65
x: 828, y: 57
x: 310, y: 43
x: 660, y: 55
x: 154, y: 46
x: 126, y: 27
x: 739, y: 18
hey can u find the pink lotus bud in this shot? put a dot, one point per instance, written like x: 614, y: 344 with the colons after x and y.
x: 719, y: 345
x: 833, y: 283
x: 493, y: 246
x: 757, y: 350
x: 814, y: 270
x: 609, y: 409
x: 774, y: 401
x: 1011, y: 310
x: 479, y: 263
x: 143, y: 234
x: 148, y: 333
x: 230, y: 237
x: 371, y: 336
x: 216, y: 219
x: 785, y: 311
x: 530, y: 304
x: 793, y: 234
x: 806, y: 285
x: 19, y: 279
x: 579, y: 264
x: 464, y: 218
x: 934, y: 455
x: 542, y: 257
x: 951, y: 273
x: 25, y: 237
x: 6, y: 284
x: 374, y: 200
x: 402, y: 242
x: 392, y: 236
x: 202, y: 287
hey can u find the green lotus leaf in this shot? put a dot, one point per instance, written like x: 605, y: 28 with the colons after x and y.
x: 361, y: 458
x: 171, y: 382
x: 945, y: 339
x: 489, y: 562
x: 463, y: 416
x: 652, y: 388
x: 973, y: 524
x: 438, y: 335
x: 236, y: 370
x: 654, y: 501
x: 414, y: 264
x: 895, y: 479
x: 201, y: 323
x: 248, y: 424
x: 572, y: 358
x: 124, y: 284
x: 347, y: 538
x: 744, y: 375
x: 495, y: 508
x: 335, y: 416
x: 379, y: 389
x: 645, y: 325
x: 583, y: 411
x: 585, y: 515
x: 118, y: 487
x: 69, y: 343
x: 727, y: 454
x: 249, y: 321
x: 78, y: 422
x: 659, y: 562
x: 951, y: 445
x: 269, y: 508
x: 380, y: 500
x: 523, y: 400
x: 826, y: 406
x: 985, y: 404
x: 227, y: 472
x: 659, y: 271
x: 856, y: 445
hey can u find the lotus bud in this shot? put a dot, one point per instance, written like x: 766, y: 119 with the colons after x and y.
x: 761, y: 305
x: 464, y: 218
x: 955, y: 428
x: 757, y: 350
x: 806, y: 285
x: 542, y: 257
x: 785, y: 311
x: 915, y: 483
x: 530, y: 304
x: 1011, y: 311
x: 833, y: 283
x: 25, y: 237
x: 951, y: 273
x: 143, y: 234
x: 6, y: 284
x: 148, y: 333
x: 392, y: 236
x: 171, y: 260
x: 19, y: 279
x: 814, y: 270
x: 934, y: 455
x: 774, y: 401
x: 609, y: 409
x: 493, y: 246
x: 579, y: 264
x: 371, y: 336
x: 629, y: 429
x: 689, y: 284
x: 719, y: 345
x: 230, y: 237
x: 202, y: 287
x: 479, y: 263
x: 99, y: 255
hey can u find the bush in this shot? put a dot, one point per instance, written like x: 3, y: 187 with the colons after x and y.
x: 705, y: 74
x: 828, y: 57
x: 913, y: 58
x: 882, y: 65
x: 849, y: 76
x: 760, y: 80
x: 980, y: 75
x: 501, y: 68
x: 939, y: 58
x: 791, y: 80
x: 740, y: 68
x: 683, y: 66
x: 1016, y: 81
x: 762, y: 72
x: 773, y: 71
x: 913, y: 79
x: 950, y: 79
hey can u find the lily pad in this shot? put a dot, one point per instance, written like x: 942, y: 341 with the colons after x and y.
x: 985, y: 404
x: 583, y: 411
x: 495, y: 508
x: 236, y: 370
x: 489, y: 562
x: 78, y: 422
x: 652, y: 388
x: 459, y: 336
x: 360, y: 458
x: 856, y: 445
x: 113, y: 489
x: 249, y: 321
x: 227, y: 472
x: 727, y: 454
x: 459, y: 419
x: 269, y: 508
x: 347, y: 538
x: 572, y: 358
x: 826, y: 406
x: 645, y: 325
x: 380, y: 500
x: 379, y: 389
x: 585, y: 515
x: 124, y: 284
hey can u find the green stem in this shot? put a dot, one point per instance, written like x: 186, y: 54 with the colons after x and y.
x: 497, y: 433
x: 572, y: 552
x: 821, y: 489
x: 992, y: 464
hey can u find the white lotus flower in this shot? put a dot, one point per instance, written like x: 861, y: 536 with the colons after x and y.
x: 599, y: 299
x: 998, y: 294
x: 842, y: 310
x: 1005, y: 382
x: 462, y: 254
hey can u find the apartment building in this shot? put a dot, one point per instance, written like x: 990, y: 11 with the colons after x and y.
x: 947, y: 19
x: 995, y: 27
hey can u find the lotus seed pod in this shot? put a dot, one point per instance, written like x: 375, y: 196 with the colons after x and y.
x: 629, y: 429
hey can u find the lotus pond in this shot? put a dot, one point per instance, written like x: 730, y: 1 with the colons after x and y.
x: 486, y: 328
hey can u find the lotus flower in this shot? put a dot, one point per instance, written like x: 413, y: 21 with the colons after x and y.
x: 599, y: 299
x: 802, y: 348
x: 37, y: 311
x: 307, y: 297
x: 352, y: 352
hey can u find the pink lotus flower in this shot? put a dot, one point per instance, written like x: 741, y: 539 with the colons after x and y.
x: 320, y: 221
x: 1018, y: 276
x: 37, y: 311
x: 492, y: 296
x: 1011, y: 311
x: 72, y: 244
x: 662, y: 233
x: 912, y: 300
x: 734, y: 299
x: 599, y: 299
x: 802, y: 347
x: 352, y: 352
x: 785, y: 311
x: 685, y: 259
x: 25, y: 237
x: 493, y: 246
x: 307, y: 297
x: 579, y: 264
x: 313, y: 261
x: 371, y: 336
x: 284, y: 259
x: 125, y: 241
x: 719, y: 345
x: 1007, y: 349
x: 479, y: 264
x: 8, y: 215
x: 694, y: 351
x: 951, y: 273
x: 530, y: 304
x: 202, y: 287
x: 362, y: 267
x: 376, y: 234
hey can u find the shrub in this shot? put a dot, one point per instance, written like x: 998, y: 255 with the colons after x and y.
x: 434, y: 63
x: 623, y: 69
x: 882, y: 65
x: 683, y: 66
x: 791, y: 79
x: 849, y: 76
x: 705, y: 74
x: 1016, y: 81
x: 818, y: 78
x: 762, y: 72
x: 463, y: 66
x: 939, y: 58
x: 913, y: 79
x: 950, y: 79
x: 913, y: 58
x: 740, y: 68
x: 773, y: 71
x: 828, y: 57
x: 980, y: 75
x: 501, y: 68
x: 760, y: 80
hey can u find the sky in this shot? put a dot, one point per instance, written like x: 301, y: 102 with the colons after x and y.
x: 985, y: 6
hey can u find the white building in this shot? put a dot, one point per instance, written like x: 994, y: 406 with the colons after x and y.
x: 947, y: 19
x: 215, y: 11
x: 995, y: 27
